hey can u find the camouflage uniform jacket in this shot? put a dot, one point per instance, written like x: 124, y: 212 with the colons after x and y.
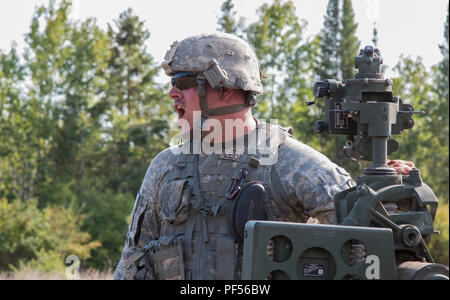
x: 300, y: 184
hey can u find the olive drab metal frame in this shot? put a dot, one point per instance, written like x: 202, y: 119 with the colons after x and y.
x: 310, y: 251
x: 365, y: 110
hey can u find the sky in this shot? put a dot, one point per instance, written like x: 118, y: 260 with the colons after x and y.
x: 408, y: 27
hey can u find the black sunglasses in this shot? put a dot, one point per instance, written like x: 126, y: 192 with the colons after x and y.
x: 184, y: 80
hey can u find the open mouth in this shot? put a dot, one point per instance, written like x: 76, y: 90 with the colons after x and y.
x: 180, y: 110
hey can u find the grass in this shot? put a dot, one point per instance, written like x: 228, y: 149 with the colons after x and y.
x: 89, y: 274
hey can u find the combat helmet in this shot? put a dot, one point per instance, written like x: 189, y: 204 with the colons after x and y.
x: 222, y: 59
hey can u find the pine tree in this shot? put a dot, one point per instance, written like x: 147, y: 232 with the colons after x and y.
x: 135, y: 113
x: 277, y: 38
x: 338, y: 42
x: 338, y: 48
x: 67, y: 61
x: 426, y: 144
x: 80, y: 120
x: 349, y: 44
x: 227, y: 22
x: 440, y: 110
x: 443, y: 84
x: 329, y: 42
x: 17, y: 154
x: 138, y: 108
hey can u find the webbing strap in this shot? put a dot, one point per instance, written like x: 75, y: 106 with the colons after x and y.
x: 225, y: 261
x: 196, y: 187
x: 199, y: 205
x: 225, y: 110
x: 188, y: 238
x: 206, y: 112
x: 201, y: 81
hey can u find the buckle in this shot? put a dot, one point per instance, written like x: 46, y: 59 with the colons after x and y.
x: 236, y: 185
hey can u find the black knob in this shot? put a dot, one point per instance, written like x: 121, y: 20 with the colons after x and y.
x: 320, y: 126
x: 322, y: 89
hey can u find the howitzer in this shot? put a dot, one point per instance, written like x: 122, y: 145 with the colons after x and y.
x: 383, y: 223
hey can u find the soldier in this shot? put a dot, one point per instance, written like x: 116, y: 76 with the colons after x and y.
x: 188, y: 219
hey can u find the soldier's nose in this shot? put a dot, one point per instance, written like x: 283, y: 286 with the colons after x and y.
x: 175, y: 93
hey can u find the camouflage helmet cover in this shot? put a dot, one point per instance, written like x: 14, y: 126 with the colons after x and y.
x: 235, y: 61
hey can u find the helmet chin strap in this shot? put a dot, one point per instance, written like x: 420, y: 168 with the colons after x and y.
x: 206, y: 112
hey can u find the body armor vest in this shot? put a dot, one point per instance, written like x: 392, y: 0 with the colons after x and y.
x: 196, y: 209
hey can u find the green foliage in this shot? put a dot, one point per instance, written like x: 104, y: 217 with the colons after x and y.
x: 329, y: 42
x: 348, y: 44
x: 441, y: 84
x: 16, y: 134
x: 338, y: 47
x: 443, y: 80
x: 338, y: 42
x: 81, y: 118
x: 226, y: 22
x: 278, y: 41
x: 439, y: 243
x: 426, y: 143
x: 40, y: 238
x: 106, y: 219
x: 135, y: 113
